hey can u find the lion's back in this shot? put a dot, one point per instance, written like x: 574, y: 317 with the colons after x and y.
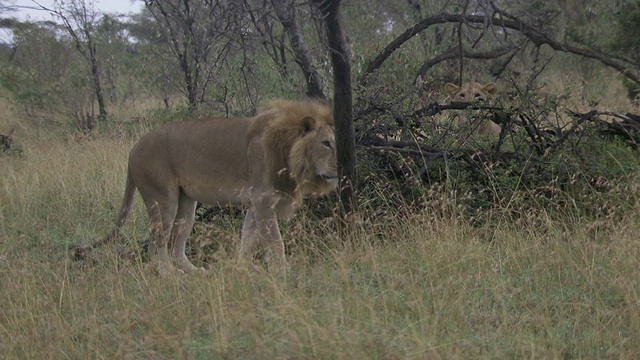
x: 206, y: 158
x: 193, y: 140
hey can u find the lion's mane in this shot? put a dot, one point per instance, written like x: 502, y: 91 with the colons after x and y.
x: 286, y: 126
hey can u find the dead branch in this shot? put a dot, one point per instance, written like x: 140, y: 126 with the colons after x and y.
x: 6, y: 140
x: 455, y: 52
x: 541, y: 140
x: 422, y: 149
x: 628, y: 128
x: 287, y: 17
x: 428, y: 154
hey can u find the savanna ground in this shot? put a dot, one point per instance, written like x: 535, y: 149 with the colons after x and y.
x: 400, y: 284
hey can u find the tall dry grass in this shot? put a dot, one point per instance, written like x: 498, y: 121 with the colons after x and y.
x: 417, y: 286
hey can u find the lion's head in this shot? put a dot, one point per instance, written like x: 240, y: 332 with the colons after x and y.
x: 470, y: 92
x: 473, y: 92
x: 299, y: 142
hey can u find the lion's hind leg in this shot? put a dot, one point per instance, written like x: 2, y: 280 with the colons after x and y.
x: 162, y: 214
x: 185, y: 217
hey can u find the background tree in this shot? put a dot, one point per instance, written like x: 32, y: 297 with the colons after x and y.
x: 113, y: 38
x: 79, y: 19
x: 41, y: 73
x: 199, y: 34
x: 626, y: 39
x: 7, y: 7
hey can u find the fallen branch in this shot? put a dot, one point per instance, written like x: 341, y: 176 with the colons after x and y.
x: 6, y: 140
x: 628, y: 128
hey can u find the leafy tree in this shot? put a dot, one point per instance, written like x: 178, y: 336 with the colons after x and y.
x: 43, y: 72
x: 79, y: 19
x: 628, y: 31
x: 627, y: 41
x: 117, y: 60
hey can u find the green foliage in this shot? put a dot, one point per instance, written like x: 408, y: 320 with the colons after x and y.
x: 633, y: 89
x: 43, y: 73
x: 627, y: 38
x: 596, y: 183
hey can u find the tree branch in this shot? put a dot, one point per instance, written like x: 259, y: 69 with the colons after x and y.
x: 287, y: 17
x: 455, y: 52
x: 506, y: 21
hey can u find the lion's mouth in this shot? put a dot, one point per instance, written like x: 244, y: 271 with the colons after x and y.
x: 332, y: 179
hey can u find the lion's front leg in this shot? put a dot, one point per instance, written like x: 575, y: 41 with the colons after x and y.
x: 261, y: 226
x: 268, y: 233
x: 274, y: 246
x: 248, y: 237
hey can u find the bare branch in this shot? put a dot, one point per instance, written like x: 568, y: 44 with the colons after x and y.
x: 456, y: 52
x: 507, y: 21
x: 287, y: 16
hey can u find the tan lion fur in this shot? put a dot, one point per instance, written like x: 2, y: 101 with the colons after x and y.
x: 473, y: 92
x: 268, y: 162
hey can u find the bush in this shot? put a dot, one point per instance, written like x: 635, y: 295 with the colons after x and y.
x: 546, y: 164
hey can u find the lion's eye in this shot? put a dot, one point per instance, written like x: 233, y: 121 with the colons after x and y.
x: 478, y: 95
x: 327, y: 144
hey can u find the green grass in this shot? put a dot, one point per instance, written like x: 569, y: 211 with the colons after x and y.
x: 420, y: 287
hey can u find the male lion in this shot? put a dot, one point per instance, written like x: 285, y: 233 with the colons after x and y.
x: 268, y: 162
x: 473, y: 92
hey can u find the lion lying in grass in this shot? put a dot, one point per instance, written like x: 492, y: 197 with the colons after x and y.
x: 268, y: 162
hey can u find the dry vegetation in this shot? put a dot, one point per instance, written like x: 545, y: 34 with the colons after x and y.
x: 419, y: 286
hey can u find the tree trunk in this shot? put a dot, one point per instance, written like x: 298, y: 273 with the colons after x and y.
x: 95, y: 73
x: 286, y: 16
x: 95, y: 70
x: 342, y: 102
x: 191, y: 88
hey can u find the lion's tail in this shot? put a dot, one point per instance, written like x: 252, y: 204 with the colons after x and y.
x: 129, y: 192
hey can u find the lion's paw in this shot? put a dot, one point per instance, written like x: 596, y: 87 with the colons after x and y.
x: 165, y: 269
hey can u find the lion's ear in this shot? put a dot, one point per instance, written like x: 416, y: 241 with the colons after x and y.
x: 308, y: 124
x: 491, y: 88
x: 451, y: 89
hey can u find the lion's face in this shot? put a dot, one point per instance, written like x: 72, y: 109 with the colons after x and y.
x: 313, y: 158
x: 473, y: 92
x: 325, y: 161
x: 470, y: 92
